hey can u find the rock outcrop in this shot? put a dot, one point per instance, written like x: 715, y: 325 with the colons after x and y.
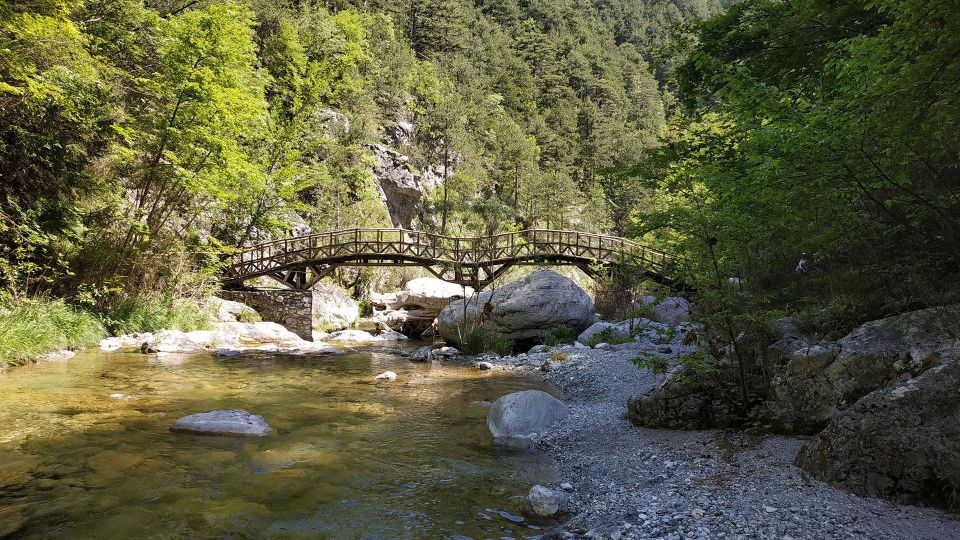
x: 515, y: 420
x: 223, y: 422
x: 901, y: 442
x: 333, y: 309
x: 402, y: 190
x: 819, y: 380
x: 524, y: 310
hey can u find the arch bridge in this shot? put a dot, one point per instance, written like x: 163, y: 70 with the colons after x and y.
x: 300, y: 262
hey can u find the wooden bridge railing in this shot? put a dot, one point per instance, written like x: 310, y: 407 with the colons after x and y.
x: 469, y: 260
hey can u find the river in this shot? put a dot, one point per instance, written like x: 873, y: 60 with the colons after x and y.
x: 87, y: 452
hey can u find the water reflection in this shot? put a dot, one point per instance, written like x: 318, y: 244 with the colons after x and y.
x: 87, y: 452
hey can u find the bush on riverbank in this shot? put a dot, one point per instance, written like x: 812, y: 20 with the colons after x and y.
x: 29, y: 329
x: 150, y: 314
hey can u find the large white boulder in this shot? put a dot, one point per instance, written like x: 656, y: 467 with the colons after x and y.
x: 413, y: 309
x: 333, y: 309
x: 355, y: 336
x: 524, y: 310
x: 516, y: 420
x: 172, y: 341
x: 257, y: 333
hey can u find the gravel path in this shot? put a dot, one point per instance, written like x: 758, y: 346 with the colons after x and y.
x: 631, y: 482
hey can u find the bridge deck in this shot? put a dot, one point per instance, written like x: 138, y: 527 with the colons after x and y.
x: 302, y: 261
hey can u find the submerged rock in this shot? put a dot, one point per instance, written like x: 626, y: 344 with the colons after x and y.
x: 57, y: 356
x: 546, y: 502
x: 386, y: 376
x: 422, y: 354
x: 223, y: 422
x: 516, y: 419
x: 524, y: 310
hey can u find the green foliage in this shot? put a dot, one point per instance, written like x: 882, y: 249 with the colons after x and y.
x: 560, y: 334
x: 29, y: 329
x: 696, y: 368
x: 366, y: 307
x: 609, y: 336
x: 150, y: 314
x: 248, y: 316
x: 480, y: 340
x: 820, y: 142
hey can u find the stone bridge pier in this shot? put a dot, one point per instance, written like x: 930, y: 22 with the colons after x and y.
x: 289, y: 307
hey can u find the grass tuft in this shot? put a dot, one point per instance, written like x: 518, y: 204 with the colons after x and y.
x: 32, y: 328
x: 150, y: 314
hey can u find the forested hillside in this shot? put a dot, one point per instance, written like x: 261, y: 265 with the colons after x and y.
x: 137, y: 136
x: 142, y: 140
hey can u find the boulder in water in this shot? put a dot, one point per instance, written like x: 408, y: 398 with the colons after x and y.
x: 171, y: 341
x: 223, y: 422
x: 516, y: 419
x: 421, y: 355
x: 546, y: 502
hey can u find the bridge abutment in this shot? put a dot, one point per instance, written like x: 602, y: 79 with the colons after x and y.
x: 291, y: 308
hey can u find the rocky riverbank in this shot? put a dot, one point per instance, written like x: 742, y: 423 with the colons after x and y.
x: 631, y: 482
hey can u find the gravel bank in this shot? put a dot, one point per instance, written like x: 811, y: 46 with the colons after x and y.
x: 632, y: 482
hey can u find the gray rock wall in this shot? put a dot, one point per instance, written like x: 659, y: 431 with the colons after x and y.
x: 293, y: 309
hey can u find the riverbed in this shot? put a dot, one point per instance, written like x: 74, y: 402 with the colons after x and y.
x: 87, y: 451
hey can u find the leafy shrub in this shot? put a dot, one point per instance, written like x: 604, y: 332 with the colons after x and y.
x: 249, y: 316
x: 560, y: 334
x: 607, y: 336
x: 366, y: 307
x: 480, y: 340
x: 29, y: 329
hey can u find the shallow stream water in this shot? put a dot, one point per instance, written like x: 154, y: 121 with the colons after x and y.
x: 349, y: 458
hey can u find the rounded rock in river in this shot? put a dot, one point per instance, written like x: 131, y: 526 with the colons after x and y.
x: 223, y: 422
